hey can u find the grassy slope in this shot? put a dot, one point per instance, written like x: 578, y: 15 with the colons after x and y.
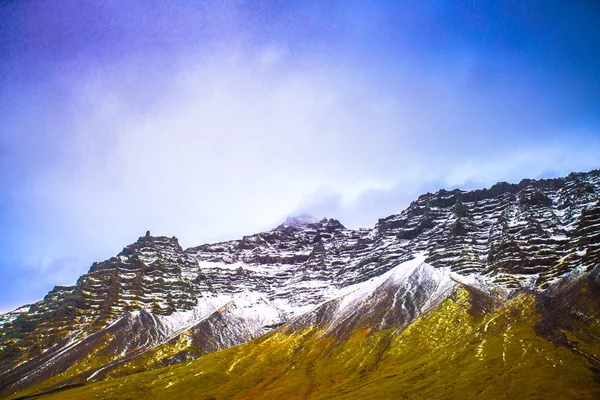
x: 448, y: 353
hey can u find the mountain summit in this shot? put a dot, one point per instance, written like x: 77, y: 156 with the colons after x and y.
x: 500, y: 283
x: 300, y: 221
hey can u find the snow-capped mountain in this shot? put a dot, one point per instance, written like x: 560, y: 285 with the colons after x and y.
x: 156, y: 304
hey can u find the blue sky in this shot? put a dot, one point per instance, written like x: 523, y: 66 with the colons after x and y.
x: 211, y: 120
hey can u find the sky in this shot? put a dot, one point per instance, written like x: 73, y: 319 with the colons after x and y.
x: 216, y: 119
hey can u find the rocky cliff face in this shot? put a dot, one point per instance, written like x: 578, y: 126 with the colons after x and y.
x: 173, y: 304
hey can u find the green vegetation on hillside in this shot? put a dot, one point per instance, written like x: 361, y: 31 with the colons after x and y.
x: 452, y: 352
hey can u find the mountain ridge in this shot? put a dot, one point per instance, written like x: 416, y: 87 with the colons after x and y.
x: 181, y: 304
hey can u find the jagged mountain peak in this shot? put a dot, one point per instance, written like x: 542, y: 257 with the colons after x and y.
x: 150, y: 240
x: 300, y: 220
x: 307, y: 221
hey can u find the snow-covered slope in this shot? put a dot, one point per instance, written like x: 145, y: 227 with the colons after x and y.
x: 393, y: 299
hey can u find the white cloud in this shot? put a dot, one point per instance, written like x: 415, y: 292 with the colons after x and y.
x: 214, y: 148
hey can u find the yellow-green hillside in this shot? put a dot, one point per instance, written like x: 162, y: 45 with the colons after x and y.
x: 451, y: 352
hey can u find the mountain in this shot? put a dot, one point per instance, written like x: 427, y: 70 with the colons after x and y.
x: 501, y: 284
